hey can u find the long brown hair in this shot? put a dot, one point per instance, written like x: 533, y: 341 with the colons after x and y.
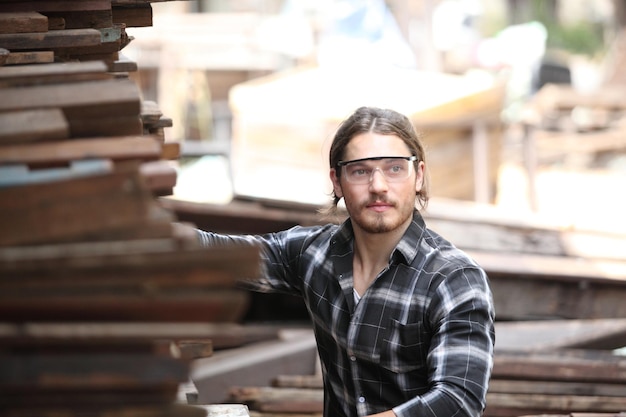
x: 382, y: 122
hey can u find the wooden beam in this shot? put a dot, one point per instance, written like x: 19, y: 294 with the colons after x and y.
x: 54, y: 6
x: 51, y: 39
x: 23, y: 22
x: 32, y: 126
x: 32, y: 75
x: 83, y: 100
x: 144, y: 148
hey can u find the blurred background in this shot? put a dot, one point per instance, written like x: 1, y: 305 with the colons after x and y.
x: 520, y: 102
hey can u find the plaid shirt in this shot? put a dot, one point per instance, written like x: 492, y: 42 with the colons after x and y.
x: 420, y: 340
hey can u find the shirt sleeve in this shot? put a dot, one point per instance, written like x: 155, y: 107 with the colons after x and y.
x: 460, y: 358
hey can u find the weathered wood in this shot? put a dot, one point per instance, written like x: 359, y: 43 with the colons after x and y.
x: 19, y: 175
x: 222, y: 335
x: 32, y: 75
x: 51, y: 39
x: 106, y: 126
x: 23, y: 22
x: 31, y: 57
x: 144, y: 148
x: 138, y: 410
x: 159, y: 175
x: 174, y: 304
x: 52, y: 6
x: 286, y: 400
x: 525, y: 404
x: 4, y: 54
x: 84, y: 19
x: 545, y: 335
x: 32, y: 126
x: 44, y: 212
x: 556, y: 388
x: 92, y: 99
x: 136, y: 16
x: 78, y: 371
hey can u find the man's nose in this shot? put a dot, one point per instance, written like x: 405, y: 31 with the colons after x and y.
x: 378, y: 181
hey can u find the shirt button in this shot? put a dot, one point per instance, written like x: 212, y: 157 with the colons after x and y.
x: 361, y: 399
x: 353, y: 358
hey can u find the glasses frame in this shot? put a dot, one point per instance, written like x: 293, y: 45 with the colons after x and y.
x: 340, y: 164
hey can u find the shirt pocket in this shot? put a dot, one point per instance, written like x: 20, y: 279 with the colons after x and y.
x: 404, y: 347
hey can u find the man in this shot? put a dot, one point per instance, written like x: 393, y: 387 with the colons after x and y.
x: 403, y: 320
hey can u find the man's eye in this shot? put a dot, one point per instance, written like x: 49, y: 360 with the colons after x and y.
x: 359, y: 172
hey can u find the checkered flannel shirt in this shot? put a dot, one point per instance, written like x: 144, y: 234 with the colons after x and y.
x: 420, y: 341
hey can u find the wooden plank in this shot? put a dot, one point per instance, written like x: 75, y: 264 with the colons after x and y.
x: 526, y: 403
x: 556, y: 388
x: 118, y: 410
x: 4, y: 54
x: 23, y: 22
x: 76, y: 370
x: 222, y: 335
x: 285, y: 400
x: 584, y: 366
x: 143, y: 148
x: 32, y: 126
x: 51, y: 39
x: 44, y: 212
x: 139, y: 15
x: 84, y: 19
x: 543, y: 335
x: 113, y: 263
x: 19, y: 175
x: 106, y: 98
x: 51, y: 6
x: 106, y: 126
x: 173, y: 305
x: 31, y: 57
x: 159, y: 175
x: 30, y: 75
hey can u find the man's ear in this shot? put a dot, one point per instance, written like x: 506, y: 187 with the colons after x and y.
x: 336, y: 183
x: 419, y: 178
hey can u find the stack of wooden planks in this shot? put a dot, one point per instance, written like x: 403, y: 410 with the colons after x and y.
x: 551, y: 383
x: 88, y: 255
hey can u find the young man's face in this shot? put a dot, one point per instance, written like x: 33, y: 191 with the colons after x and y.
x: 377, y: 199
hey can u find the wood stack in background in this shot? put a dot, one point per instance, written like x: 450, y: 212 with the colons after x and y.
x: 84, y: 242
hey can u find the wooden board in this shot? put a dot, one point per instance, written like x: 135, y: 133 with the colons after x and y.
x: 139, y: 15
x: 22, y: 22
x: 107, y: 98
x: 57, y: 5
x: 83, y: 19
x: 45, y: 212
x: 144, y: 148
x: 51, y: 39
x: 31, y: 57
x: 33, y: 75
x: 32, y: 126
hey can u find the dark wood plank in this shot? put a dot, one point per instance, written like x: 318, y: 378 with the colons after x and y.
x: 23, y: 22
x: 84, y: 19
x: 51, y: 39
x: 51, y: 6
x: 106, y: 126
x: 216, y: 306
x: 139, y: 15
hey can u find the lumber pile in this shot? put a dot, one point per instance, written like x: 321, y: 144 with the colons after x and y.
x: 99, y: 283
x: 562, y: 380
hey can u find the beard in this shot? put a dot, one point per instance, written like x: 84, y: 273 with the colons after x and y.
x: 376, y: 223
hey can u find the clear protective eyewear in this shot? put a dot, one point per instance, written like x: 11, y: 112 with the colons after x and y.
x: 393, y: 168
